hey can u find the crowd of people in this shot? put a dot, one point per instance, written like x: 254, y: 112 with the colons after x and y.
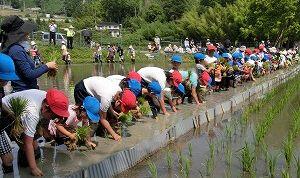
x: 100, y: 101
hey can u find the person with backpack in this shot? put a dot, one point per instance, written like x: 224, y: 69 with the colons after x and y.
x: 15, y: 44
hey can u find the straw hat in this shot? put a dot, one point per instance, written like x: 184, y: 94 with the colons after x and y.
x: 71, y: 26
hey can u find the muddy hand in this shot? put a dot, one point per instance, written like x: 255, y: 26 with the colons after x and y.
x: 36, y: 172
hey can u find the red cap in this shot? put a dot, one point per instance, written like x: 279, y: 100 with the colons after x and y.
x: 256, y: 51
x: 58, y: 102
x: 134, y: 75
x: 128, y: 101
x: 211, y: 48
x: 261, y: 47
x: 176, y: 77
x: 248, y: 51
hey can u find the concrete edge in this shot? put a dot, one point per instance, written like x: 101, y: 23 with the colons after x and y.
x: 125, y: 159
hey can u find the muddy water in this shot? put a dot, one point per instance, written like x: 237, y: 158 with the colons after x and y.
x: 215, y: 133
x: 68, y: 76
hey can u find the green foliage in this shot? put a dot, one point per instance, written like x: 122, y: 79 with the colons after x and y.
x: 288, y: 148
x: 125, y: 118
x: 169, y: 159
x: 155, y: 12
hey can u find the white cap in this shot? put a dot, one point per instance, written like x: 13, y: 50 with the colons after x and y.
x: 32, y: 43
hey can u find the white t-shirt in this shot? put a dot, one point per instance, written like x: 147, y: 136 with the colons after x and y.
x: 32, y: 117
x: 103, y: 89
x: 210, y: 60
x: 116, y: 79
x: 52, y: 28
x: 154, y: 73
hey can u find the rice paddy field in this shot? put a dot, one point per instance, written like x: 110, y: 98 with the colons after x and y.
x: 258, y: 139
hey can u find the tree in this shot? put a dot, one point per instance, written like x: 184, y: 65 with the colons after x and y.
x: 119, y: 10
x: 154, y: 13
x: 16, y: 4
x: 174, y: 8
x: 72, y: 7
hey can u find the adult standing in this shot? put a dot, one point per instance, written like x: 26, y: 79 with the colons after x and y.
x: 70, y: 35
x: 16, y: 45
x: 52, y: 28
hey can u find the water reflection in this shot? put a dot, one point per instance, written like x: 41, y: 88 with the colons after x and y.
x: 69, y: 75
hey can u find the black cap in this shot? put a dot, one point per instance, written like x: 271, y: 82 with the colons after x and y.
x: 14, y: 24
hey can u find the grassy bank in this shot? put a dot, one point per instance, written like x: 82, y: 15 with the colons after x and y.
x: 81, y: 55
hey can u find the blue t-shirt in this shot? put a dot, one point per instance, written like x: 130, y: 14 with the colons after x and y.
x: 193, y: 78
x: 25, y: 69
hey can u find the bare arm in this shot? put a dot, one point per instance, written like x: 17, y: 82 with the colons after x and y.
x: 29, y: 151
x: 65, y: 131
x: 194, y: 94
x: 162, y: 104
x: 107, y: 126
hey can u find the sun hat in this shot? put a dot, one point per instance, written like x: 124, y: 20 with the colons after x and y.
x: 199, y: 56
x: 71, y: 26
x: 134, y: 75
x: 155, y: 88
x: 181, y: 89
x: 7, y: 68
x: 176, y: 78
x: 58, y: 102
x: 32, y: 43
x: 14, y: 28
x: 237, y: 55
x: 92, y: 108
x: 134, y: 86
x: 225, y: 55
x: 176, y: 58
x: 128, y: 101
x: 248, y: 51
x: 14, y: 24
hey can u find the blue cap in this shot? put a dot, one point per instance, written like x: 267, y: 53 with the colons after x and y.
x: 92, y: 107
x: 225, y: 55
x: 266, y: 57
x: 237, y: 55
x: 7, y: 68
x: 199, y: 56
x: 181, y: 89
x: 134, y: 86
x: 176, y: 58
x: 254, y: 57
x: 155, y: 88
x: 217, y: 55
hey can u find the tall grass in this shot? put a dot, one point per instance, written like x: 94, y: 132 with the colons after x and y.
x: 190, y: 149
x: 297, y: 166
x: 272, y: 161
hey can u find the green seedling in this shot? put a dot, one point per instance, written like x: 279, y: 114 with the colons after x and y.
x: 82, y: 133
x: 186, y: 166
x: 145, y: 109
x: 209, y: 166
x: 228, y: 131
x: 152, y: 169
x: 228, y: 156
x: 211, y: 150
x: 169, y: 159
x: 190, y: 149
x: 179, y: 155
x: 125, y: 118
x: 297, y: 166
x: 272, y: 161
x: 247, y: 158
x: 285, y: 174
x: 288, y: 147
x: 18, y: 106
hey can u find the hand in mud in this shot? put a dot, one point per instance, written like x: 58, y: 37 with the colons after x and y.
x: 166, y: 114
x: 174, y: 109
x: 117, y: 137
x: 91, y: 144
x: 36, y: 172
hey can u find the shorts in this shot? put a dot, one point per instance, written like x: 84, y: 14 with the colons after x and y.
x: 4, y: 144
x: 80, y: 93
